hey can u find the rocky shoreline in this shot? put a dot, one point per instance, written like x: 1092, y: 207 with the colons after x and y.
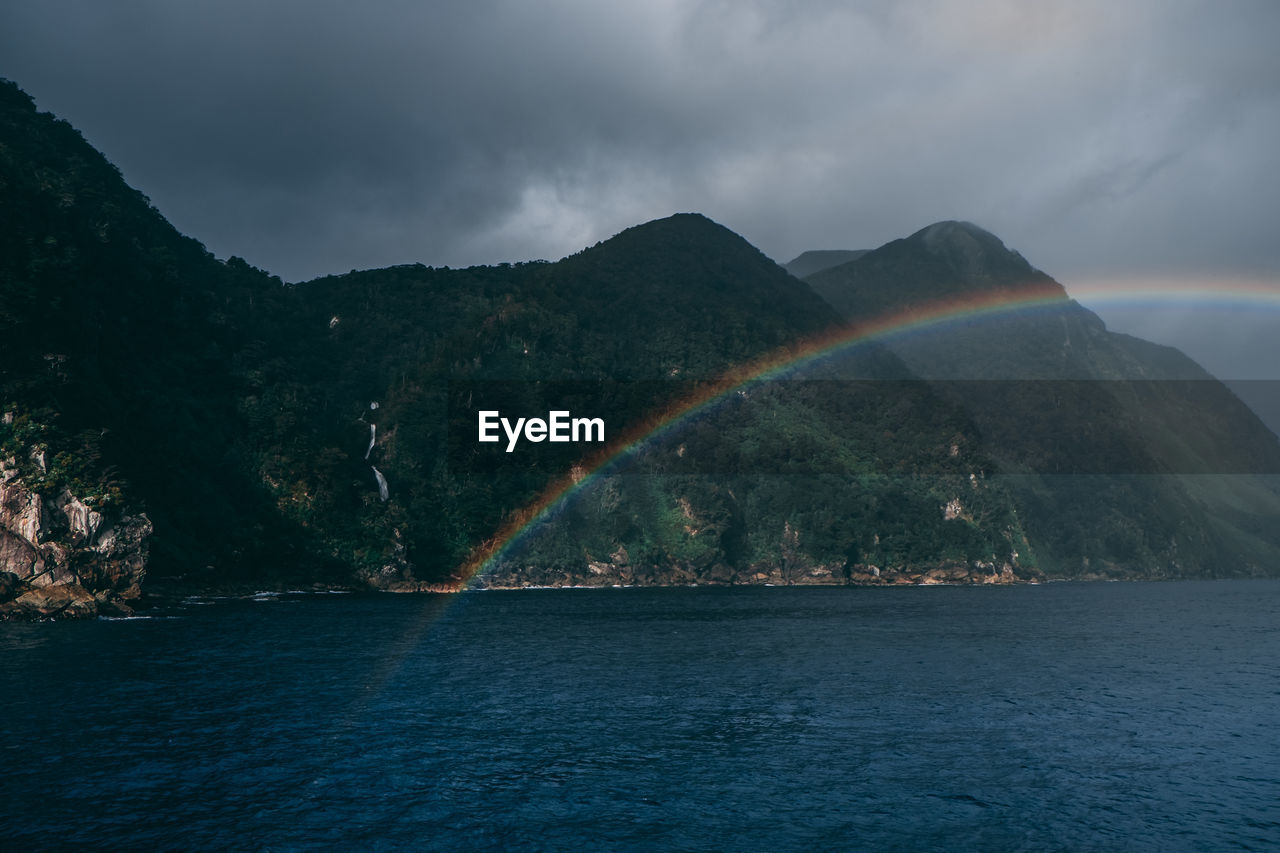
x: 793, y: 570
x: 61, y: 559
x: 72, y: 601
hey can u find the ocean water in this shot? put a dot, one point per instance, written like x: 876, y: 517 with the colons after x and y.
x: 1054, y: 717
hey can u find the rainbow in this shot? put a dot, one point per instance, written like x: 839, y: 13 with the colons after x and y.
x: 1243, y: 294
x: 1214, y: 292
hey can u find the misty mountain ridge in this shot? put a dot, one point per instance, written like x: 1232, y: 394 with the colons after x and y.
x: 941, y: 261
x: 816, y: 260
x: 324, y: 432
x: 1055, y: 393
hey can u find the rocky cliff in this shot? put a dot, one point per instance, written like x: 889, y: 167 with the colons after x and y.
x: 59, y: 558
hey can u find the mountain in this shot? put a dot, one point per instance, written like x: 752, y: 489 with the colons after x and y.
x: 623, y: 330
x: 959, y: 264
x: 324, y: 432
x: 614, y: 331
x: 816, y: 260
x: 944, y: 259
x: 1119, y: 451
x: 174, y: 422
x: 118, y: 379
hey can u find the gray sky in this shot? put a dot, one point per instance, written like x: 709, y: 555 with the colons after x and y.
x: 1104, y: 140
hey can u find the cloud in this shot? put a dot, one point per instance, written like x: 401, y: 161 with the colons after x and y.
x: 314, y: 137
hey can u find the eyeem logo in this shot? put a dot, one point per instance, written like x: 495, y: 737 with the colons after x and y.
x: 558, y: 427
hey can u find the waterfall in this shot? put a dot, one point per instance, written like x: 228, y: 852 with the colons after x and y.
x: 373, y: 436
x: 383, y: 494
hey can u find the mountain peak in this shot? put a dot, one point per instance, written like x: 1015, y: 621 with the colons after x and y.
x: 955, y: 227
x: 678, y: 246
x: 677, y: 228
x: 679, y: 266
x: 945, y: 260
x: 971, y: 252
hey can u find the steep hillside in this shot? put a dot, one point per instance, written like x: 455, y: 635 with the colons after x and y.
x: 619, y: 331
x: 117, y: 374
x: 1130, y: 458
x: 268, y: 434
x: 169, y: 418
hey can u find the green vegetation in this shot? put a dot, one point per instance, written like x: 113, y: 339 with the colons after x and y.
x: 237, y: 411
x: 1124, y: 458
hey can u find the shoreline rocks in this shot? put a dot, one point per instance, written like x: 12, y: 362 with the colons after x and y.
x: 595, y: 573
x: 61, y: 559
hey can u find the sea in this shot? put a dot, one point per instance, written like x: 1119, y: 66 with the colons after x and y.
x: 1103, y: 716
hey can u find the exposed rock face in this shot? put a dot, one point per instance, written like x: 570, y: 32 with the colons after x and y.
x: 59, y: 558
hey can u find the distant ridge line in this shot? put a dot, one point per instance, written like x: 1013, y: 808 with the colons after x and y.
x: 817, y: 260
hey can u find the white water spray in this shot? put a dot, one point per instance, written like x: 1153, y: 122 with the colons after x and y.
x: 373, y: 436
x: 383, y: 494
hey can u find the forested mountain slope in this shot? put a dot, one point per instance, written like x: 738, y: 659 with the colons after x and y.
x: 1130, y: 457
x: 169, y: 418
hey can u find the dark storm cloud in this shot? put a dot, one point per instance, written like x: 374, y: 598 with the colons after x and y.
x: 1098, y: 138
x: 314, y: 137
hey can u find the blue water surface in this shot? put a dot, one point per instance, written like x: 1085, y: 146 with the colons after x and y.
x: 1054, y: 717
